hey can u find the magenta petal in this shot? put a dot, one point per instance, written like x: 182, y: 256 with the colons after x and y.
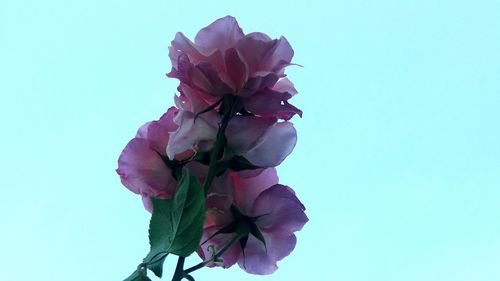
x: 148, y: 204
x: 248, y: 185
x: 274, y: 146
x: 259, y: 36
x: 193, y: 100
x: 236, y: 69
x: 254, y: 51
x: 259, y: 82
x: 202, y: 76
x: 217, y: 206
x: 142, y: 171
x: 221, y: 34
x: 166, y: 121
x: 182, y: 45
x: 142, y: 132
x: 157, y: 131
x: 209, y: 74
x: 269, y: 103
x: 187, y: 73
x: 279, y: 57
x: 284, y: 85
x: 230, y: 257
x: 244, y: 131
x: 259, y: 260
x: 189, y: 134
x: 280, y: 211
x: 263, y: 54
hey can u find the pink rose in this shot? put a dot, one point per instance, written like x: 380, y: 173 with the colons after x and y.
x: 223, y: 60
x: 143, y: 165
x: 264, y: 141
x: 273, y: 209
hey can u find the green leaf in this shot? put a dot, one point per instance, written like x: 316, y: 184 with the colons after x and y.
x: 157, y: 265
x: 177, y: 224
x: 138, y: 276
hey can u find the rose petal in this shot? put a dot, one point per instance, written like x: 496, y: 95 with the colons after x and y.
x: 236, y: 68
x: 253, y: 50
x: 260, y: 259
x: 217, y: 206
x: 279, y: 210
x: 274, y: 146
x: 157, y: 132
x: 279, y: 57
x: 259, y: 36
x: 221, y: 34
x: 284, y: 85
x: 142, y: 171
x: 182, y: 45
x: 189, y: 133
x: 258, y: 82
x: 193, y: 100
x: 262, y: 54
x: 148, y: 204
x: 244, y: 131
x: 202, y: 76
x: 269, y: 103
x: 247, y: 186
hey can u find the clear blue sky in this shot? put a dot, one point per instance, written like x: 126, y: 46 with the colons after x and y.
x: 398, y: 159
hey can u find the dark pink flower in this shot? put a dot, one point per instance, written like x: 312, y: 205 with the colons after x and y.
x: 273, y: 209
x: 142, y: 165
x: 223, y: 60
x: 264, y: 141
x: 199, y: 135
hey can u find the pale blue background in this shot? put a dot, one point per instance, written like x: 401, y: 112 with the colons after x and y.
x: 398, y: 159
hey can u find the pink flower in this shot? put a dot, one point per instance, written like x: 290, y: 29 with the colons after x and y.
x: 223, y: 60
x: 142, y: 166
x: 272, y: 208
x: 263, y: 141
x: 199, y: 135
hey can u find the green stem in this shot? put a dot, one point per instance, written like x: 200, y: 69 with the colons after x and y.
x: 229, y: 110
x: 214, y: 257
x: 220, y: 140
x: 179, y: 270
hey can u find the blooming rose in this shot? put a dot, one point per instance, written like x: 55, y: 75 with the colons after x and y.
x: 273, y: 209
x: 223, y: 60
x: 263, y: 141
x: 142, y: 165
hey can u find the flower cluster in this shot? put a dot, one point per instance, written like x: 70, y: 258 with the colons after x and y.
x: 230, y: 128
